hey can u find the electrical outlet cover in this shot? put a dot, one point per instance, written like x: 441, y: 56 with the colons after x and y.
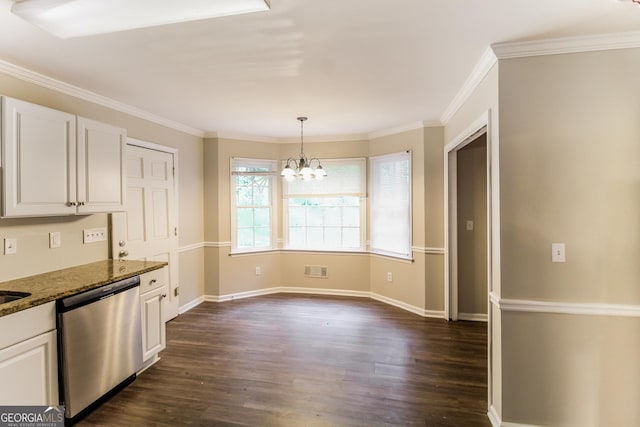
x: 10, y: 246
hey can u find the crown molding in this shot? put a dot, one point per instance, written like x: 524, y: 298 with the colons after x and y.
x: 563, y: 45
x: 77, y: 92
x: 403, y: 128
x: 326, y: 138
x: 241, y: 137
x: 479, y: 72
x: 274, y: 140
x: 357, y: 137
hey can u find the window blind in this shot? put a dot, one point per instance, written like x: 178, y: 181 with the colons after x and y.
x: 391, y: 204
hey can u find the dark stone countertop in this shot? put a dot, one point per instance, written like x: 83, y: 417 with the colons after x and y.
x: 58, y: 284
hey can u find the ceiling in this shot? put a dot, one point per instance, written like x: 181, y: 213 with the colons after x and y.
x: 353, y: 66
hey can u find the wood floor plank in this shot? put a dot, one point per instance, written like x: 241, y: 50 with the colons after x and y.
x: 300, y: 360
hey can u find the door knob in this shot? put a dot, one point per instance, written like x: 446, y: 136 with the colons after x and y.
x: 123, y: 254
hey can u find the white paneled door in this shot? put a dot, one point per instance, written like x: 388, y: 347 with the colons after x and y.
x: 148, y: 228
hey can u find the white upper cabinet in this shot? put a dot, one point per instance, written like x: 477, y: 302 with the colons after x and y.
x: 101, y: 152
x: 38, y: 160
x: 54, y: 163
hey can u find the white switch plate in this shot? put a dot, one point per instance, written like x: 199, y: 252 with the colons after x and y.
x: 469, y: 225
x: 55, y: 239
x: 92, y: 235
x: 389, y: 277
x: 558, y: 252
x: 10, y: 246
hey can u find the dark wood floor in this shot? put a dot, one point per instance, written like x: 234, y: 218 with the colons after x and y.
x: 292, y: 360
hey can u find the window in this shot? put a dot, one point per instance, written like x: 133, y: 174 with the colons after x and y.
x: 327, y: 214
x: 252, y: 209
x: 391, y: 204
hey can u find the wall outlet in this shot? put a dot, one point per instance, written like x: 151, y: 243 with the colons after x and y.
x: 10, y: 246
x: 258, y: 271
x: 55, y: 239
x: 469, y: 225
x: 389, y: 276
x: 92, y: 235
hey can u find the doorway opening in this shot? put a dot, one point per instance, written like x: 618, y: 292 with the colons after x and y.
x: 465, y: 151
x: 468, y: 284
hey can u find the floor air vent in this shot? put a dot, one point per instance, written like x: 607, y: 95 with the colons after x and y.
x: 316, y: 271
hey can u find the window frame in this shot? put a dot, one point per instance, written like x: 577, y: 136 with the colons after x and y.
x: 362, y: 205
x: 401, y: 155
x: 271, y: 164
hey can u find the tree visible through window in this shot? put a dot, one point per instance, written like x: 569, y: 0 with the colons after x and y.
x: 328, y: 214
x: 252, y: 218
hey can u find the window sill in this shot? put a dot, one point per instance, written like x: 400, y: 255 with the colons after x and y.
x: 322, y: 252
x: 253, y: 252
x: 392, y: 257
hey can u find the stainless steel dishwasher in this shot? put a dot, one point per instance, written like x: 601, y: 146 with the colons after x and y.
x: 100, y: 344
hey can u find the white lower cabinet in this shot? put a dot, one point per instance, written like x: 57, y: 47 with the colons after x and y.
x: 153, y: 292
x: 28, y: 358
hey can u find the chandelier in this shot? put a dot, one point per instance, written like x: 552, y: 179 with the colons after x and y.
x: 303, y: 167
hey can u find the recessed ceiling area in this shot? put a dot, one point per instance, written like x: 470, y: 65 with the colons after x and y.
x: 353, y: 67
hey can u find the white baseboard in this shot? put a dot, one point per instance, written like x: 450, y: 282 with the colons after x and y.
x: 320, y: 291
x: 408, y: 307
x: 188, y: 306
x: 497, y: 422
x: 474, y: 317
x: 240, y: 295
x: 494, y: 417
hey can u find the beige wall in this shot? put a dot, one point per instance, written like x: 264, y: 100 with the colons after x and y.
x: 570, y: 166
x: 34, y: 255
x: 472, y: 244
x: 568, y: 370
x: 570, y: 172
x: 433, y: 181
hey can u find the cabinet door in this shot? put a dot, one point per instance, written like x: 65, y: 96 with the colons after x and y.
x: 101, y: 167
x: 38, y: 160
x: 153, y: 326
x: 29, y: 372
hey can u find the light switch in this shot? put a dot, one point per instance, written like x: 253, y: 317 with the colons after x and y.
x: 558, y: 252
x: 469, y: 225
x: 55, y: 240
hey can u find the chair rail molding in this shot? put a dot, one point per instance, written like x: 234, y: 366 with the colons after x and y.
x: 557, y: 307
